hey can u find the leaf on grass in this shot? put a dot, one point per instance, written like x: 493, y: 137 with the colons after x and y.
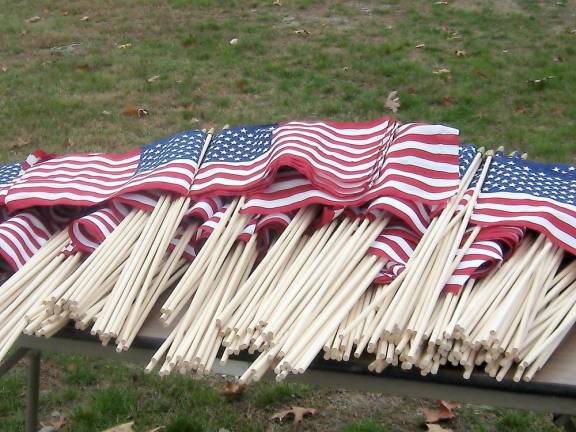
x: 277, y: 3
x: 449, y: 405
x: 84, y: 67
x: 460, y: 53
x: 232, y: 390
x: 302, y: 32
x: 33, y: 19
x: 124, y: 46
x: 447, y: 101
x: 521, y: 110
x: 442, y: 3
x: 153, y: 78
x: 158, y: 429
x: 134, y: 111
x: 20, y: 142
x: 298, y: 413
x: 444, y: 411
x: 234, y: 41
x: 392, y: 102
x: 3, y: 68
x: 441, y: 71
x: 559, y: 59
x: 541, y: 81
x: 241, y: 84
x: 58, y: 421
x: 420, y: 46
x: 437, y: 428
x: 69, y: 143
x: 85, y: 18
x: 125, y: 427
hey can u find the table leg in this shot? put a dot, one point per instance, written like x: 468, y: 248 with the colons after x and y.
x: 564, y: 421
x: 33, y: 391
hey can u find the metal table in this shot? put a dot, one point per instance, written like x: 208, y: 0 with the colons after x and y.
x: 552, y: 390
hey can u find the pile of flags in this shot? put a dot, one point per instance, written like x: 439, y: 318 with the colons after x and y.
x: 292, y: 239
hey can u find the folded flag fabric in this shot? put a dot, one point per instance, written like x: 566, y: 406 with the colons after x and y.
x: 88, y: 232
x: 88, y: 178
x: 491, y: 247
x: 21, y: 235
x: 338, y: 158
x: 420, y: 164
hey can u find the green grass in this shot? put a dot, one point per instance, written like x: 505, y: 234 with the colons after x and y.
x: 67, y: 81
x: 354, y: 55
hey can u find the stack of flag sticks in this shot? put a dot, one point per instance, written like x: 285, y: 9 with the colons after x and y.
x: 392, y: 243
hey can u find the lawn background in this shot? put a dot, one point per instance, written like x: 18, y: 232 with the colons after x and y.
x: 503, y: 72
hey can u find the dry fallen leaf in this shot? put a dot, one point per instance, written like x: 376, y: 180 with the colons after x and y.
x: 158, y: 429
x: 277, y: 3
x: 302, y: 32
x: 126, y: 427
x: 20, y: 142
x: 232, y: 390
x: 541, y: 81
x: 84, y: 67
x: 134, y: 111
x: 443, y: 3
x: 558, y: 59
x: 449, y: 405
x: 420, y: 46
x: 85, y: 18
x: 460, y: 53
x: 153, y: 78
x: 4, y: 68
x: 69, y: 143
x: 241, y: 84
x: 106, y: 113
x: 234, y: 41
x: 434, y: 416
x: 392, y: 102
x: 124, y: 46
x: 33, y: 19
x: 437, y: 428
x: 297, y: 412
x: 444, y: 411
x: 441, y: 71
x: 447, y: 101
x: 521, y: 110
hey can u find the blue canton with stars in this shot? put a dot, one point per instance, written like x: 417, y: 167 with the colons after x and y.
x: 240, y: 144
x: 466, y: 153
x: 516, y: 175
x: 185, y: 145
x: 9, y: 172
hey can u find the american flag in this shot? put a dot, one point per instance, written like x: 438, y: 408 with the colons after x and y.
x: 89, y: 178
x: 396, y: 244
x: 421, y: 164
x: 22, y: 235
x: 531, y: 195
x: 88, y: 232
x: 8, y: 174
x: 339, y: 158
